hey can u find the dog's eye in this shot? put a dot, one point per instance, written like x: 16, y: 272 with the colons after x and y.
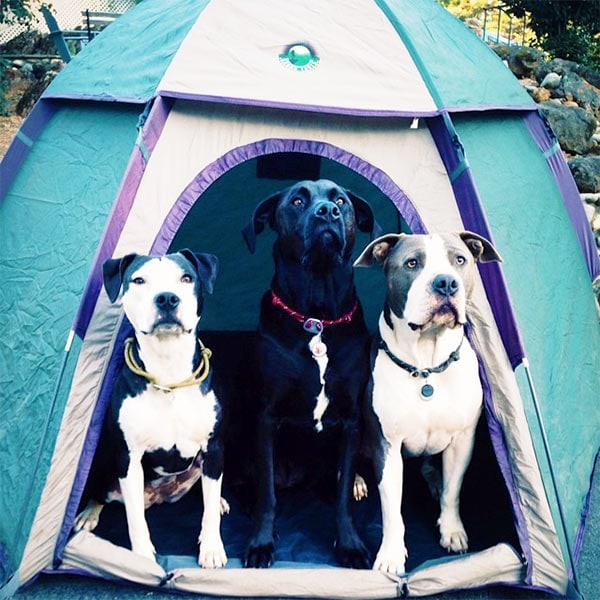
x: 460, y: 260
x: 411, y: 263
x: 340, y: 201
x: 186, y: 278
x: 297, y: 201
x: 138, y: 280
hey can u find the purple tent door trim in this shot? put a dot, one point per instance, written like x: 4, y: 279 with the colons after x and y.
x: 272, y: 146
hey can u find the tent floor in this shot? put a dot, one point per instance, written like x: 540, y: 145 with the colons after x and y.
x: 305, y: 525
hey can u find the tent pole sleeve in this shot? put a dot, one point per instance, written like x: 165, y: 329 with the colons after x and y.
x: 34, y: 472
x: 563, y: 523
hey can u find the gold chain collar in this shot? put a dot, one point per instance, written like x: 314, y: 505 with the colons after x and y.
x: 198, y: 376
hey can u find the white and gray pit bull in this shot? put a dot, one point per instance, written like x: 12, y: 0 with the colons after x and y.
x: 425, y: 394
x: 163, y: 429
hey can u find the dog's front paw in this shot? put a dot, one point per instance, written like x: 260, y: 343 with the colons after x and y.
x: 89, y: 517
x: 391, y: 559
x: 360, y: 489
x: 212, y: 554
x: 353, y: 554
x: 145, y: 549
x: 259, y: 556
x: 453, y: 536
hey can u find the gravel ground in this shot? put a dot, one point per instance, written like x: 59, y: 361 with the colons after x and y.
x: 8, y: 128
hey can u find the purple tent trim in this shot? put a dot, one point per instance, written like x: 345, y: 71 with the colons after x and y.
x: 271, y: 146
x: 147, y: 139
x: 548, y: 144
x: 499, y: 444
x: 19, y: 148
x: 474, y: 219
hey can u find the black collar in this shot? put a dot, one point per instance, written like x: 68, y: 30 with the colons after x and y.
x: 414, y: 371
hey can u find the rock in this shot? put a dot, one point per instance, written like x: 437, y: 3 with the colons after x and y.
x: 521, y: 60
x: 540, y: 94
x: 551, y: 81
x: 556, y: 65
x: 573, y: 126
x: 561, y: 66
x: 576, y: 89
x: 586, y: 173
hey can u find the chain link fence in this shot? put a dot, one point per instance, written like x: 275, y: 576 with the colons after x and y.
x: 68, y: 14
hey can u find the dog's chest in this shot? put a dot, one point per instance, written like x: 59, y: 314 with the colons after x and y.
x: 426, y: 425
x: 183, y: 418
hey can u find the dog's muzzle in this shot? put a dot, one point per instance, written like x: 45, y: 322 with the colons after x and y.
x: 166, y: 304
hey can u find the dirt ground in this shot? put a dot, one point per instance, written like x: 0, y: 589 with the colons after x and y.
x: 8, y: 128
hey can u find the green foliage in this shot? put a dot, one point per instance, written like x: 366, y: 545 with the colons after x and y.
x: 564, y: 28
x: 16, y: 11
x: 4, y: 108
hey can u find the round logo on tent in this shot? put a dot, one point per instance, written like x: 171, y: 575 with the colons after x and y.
x: 299, y: 57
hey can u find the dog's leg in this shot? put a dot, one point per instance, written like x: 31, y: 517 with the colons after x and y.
x: 392, y: 552
x: 455, y: 460
x: 261, y: 547
x: 132, y: 490
x: 350, y: 550
x: 212, y: 553
x: 89, y: 517
x: 433, y: 477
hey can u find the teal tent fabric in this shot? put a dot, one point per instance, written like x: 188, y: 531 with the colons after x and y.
x: 128, y: 64
x: 554, y: 312
x: 44, y: 264
x: 85, y: 163
x: 460, y: 72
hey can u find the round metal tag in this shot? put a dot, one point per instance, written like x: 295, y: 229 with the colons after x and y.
x: 313, y: 325
x: 427, y: 391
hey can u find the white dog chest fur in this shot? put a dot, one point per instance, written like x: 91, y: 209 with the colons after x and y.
x: 427, y: 425
x: 183, y: 418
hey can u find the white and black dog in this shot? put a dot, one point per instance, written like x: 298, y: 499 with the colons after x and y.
x: 163, y: 429
x: 312, y: 352
x: 425, y: 395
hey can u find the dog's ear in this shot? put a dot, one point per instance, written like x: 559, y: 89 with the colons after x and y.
x: 263, y: 214
x: 365, y: 220
x: 206, y: 265
x: 479, y: 247
x: 378, y: 250
x: 113, y: 270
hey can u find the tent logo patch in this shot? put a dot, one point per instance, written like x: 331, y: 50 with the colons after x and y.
x: 299, y: 57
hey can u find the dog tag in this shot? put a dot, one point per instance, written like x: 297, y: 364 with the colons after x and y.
x: 317, y: 347
x: 427, y: 391
x: 313, y: 325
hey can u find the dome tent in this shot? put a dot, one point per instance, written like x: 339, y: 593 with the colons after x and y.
x: 165, y: 132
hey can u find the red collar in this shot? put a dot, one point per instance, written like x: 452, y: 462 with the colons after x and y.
x: 311, y: 324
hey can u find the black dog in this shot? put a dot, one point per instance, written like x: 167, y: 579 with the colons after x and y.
x: 312, y: 350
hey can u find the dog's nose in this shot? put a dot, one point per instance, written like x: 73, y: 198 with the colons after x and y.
x: 445, y: 285
x: 166, y: 301
x: 327, y: 211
